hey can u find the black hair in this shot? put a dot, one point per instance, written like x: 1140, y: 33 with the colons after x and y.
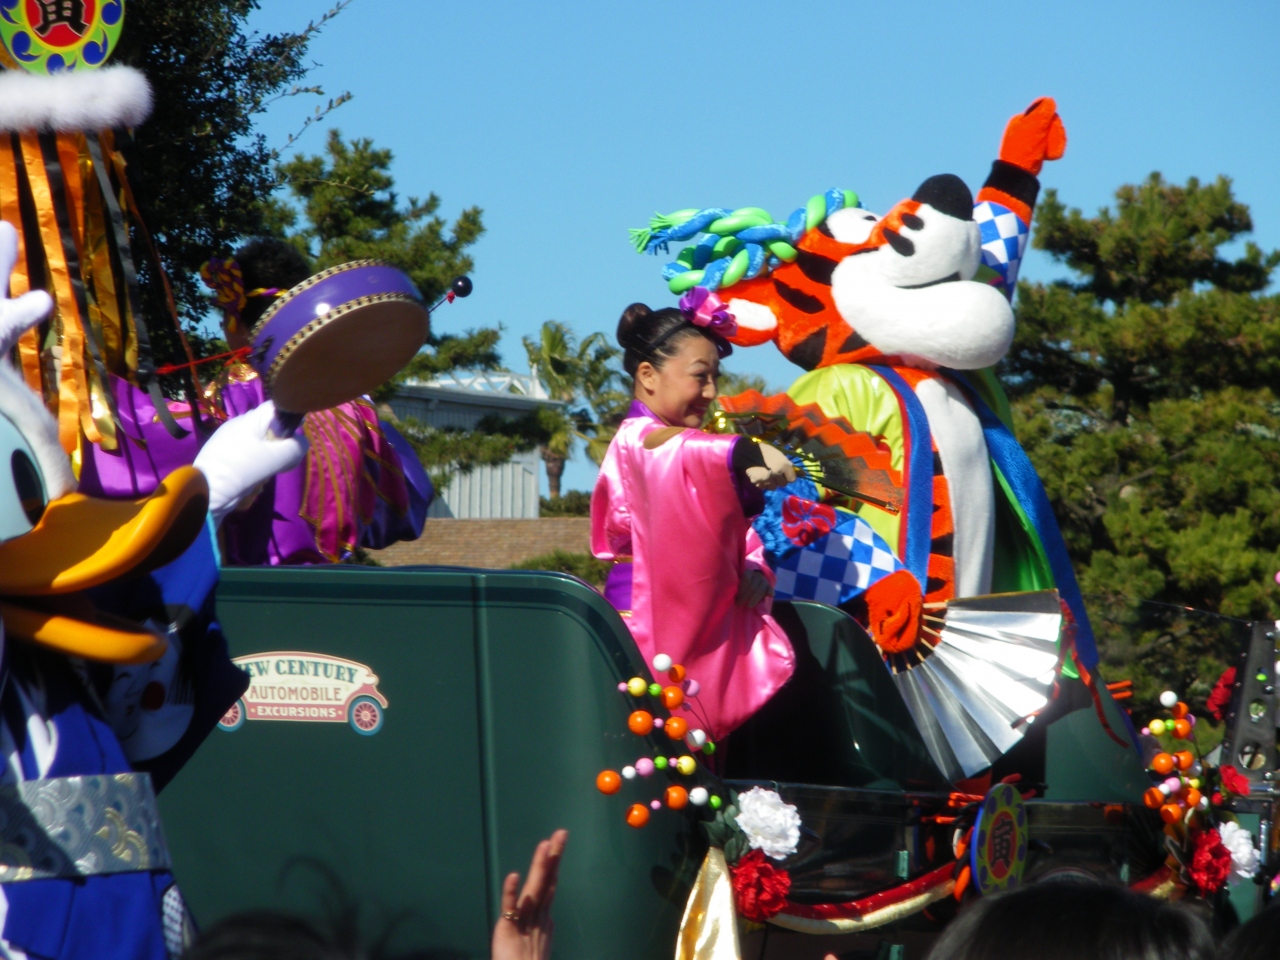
x: 656, y: 335
x: 1072, y: 919
x: 267, y: 263
x: 1256, y: 940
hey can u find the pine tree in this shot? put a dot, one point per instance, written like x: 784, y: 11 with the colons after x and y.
x: 1144, y: 393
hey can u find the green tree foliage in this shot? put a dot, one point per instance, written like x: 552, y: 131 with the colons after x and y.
x: 198, y: 167
x: 1144, y: 393
x: 351, y: 211
x: 582, y: 376
x: 581, y: 565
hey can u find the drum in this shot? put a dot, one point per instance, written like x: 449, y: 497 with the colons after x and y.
x: 338, y: 335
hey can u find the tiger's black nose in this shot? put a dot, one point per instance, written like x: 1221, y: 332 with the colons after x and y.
x: 948, y: 193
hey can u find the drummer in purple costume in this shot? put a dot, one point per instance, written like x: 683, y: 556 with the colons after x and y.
x: 361, y: 485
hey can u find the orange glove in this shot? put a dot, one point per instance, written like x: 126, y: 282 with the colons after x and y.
x: 1035, y: 136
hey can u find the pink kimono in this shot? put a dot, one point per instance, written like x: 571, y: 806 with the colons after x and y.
x: 675, y: 511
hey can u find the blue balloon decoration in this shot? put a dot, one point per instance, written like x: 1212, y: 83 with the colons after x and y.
x: 112, y: 11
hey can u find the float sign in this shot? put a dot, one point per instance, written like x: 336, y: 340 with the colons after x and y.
x: 309, y: 688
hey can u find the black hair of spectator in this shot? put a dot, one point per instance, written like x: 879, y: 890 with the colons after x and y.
x: 266, y: 262
x: 267, y: 935
x: 1259, y: 939
x: 1072, y: 919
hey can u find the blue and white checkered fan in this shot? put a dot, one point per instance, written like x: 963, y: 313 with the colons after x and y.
x: 819, y: 552
x: 987, y: 668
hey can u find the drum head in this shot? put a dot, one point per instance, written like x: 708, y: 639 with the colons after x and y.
x: 348, y: 354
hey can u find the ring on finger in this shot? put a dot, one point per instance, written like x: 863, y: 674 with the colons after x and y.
x: 511, y: 915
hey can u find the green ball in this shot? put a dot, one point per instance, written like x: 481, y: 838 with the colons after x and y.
x: 660, y: 762
x: 655, y: 690
x: 709, y: 747
x: 716, y: 802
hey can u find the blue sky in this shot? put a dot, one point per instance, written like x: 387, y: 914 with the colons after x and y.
x: 569, y: 122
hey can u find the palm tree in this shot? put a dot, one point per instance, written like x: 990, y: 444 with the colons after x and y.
x: 580, y: 375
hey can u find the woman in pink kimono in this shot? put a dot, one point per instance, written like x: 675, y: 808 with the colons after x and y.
x: 672, y: 509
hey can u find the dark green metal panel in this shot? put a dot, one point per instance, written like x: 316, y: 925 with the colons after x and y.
x: 1083, y: 763
x: 501, y: 710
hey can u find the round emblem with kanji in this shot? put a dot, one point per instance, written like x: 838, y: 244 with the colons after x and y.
x: 998, y: 853
x: 52, y: 36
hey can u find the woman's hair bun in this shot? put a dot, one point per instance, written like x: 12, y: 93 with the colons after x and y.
x: 631, y: 316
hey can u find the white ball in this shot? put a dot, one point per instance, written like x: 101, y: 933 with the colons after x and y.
x: 628, y: 772
x: 661, y: 663
x: 698, y: 796
x: 1168, y: 699
x: 696, y: 739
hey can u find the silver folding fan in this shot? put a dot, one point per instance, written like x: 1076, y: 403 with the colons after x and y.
x: 983, y: 666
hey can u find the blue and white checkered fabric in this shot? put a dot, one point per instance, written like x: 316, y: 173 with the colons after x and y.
x: 1004, y: 240
x: 837, y: 567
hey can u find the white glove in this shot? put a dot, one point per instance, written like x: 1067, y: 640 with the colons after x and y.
x: 242, y: 455
x: 21, y: 314
x: 777, y: 471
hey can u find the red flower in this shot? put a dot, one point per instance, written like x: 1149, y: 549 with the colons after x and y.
x: 1210, y: 861
x: 804, y: 521
x: 761, y: 889
x: 1220, y: 698
x: 1233, y: 781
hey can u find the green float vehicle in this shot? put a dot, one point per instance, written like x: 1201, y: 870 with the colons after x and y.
x: 410, y: 734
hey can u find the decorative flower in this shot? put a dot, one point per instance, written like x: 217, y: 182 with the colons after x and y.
x: 804, y: 521
x: 759, y: 887
x: 1210, y: 861
x: 703, y: 308
x: 1220, y: 698
x: 1233, y: 781
x: 893, y: 612
x: 769, y: 824
x: 1239, y: 841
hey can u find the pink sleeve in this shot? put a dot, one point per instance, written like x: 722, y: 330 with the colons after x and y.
x: 610, y: 517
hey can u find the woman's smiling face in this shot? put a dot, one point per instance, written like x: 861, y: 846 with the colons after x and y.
x: 681, y: 390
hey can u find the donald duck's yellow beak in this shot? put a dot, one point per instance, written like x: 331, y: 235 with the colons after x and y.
x: 82, y: 542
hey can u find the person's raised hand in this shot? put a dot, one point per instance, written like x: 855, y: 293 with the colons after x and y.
x: 1034, y: 136
x: 523, y: 931
x: 778, y: 470
x: 752, y: 588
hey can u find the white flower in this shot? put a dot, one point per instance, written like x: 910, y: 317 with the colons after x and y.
x: 771, y: 826
x: 1244, y: 858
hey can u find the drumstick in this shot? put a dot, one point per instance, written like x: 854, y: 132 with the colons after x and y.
x: 461, y: 287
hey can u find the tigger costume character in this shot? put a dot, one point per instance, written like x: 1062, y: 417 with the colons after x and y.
x: 897, y: 320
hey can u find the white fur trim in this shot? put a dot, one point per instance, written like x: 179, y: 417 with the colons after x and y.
x: 852, y: 224
x: 94, y: 100
x: 963, y: 324
x: 753, y: 316
x: 21, y: 406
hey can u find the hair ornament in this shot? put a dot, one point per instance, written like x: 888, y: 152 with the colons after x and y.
x: 704, y: 309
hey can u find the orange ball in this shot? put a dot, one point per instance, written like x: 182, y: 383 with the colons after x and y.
x: 1182, y: 729
x: 1180, y: 710
x: 672, y: 697
x: 677, y: 673
x: 1153, y: 798
x: 1184, y: 759
x: 676, y: 728
x: 1171, y: 813
x: 637, y: 815
x: 1161, y: 763
x: 677, y: 797
x: 1192, y: 796
x: 608, y: 782
x: 640, y: 722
